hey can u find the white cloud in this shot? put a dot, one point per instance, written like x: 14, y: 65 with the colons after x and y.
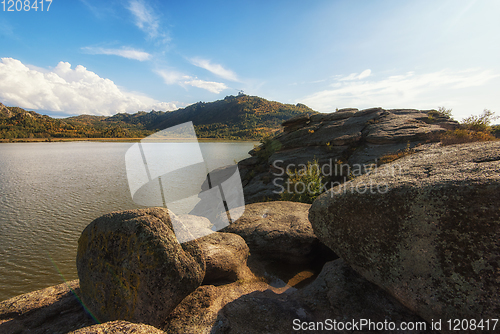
x: 125, y: 52
x: 215, y: 69
x: 146, y: 20
x: 409, y: 90
x: 68, y: 91
x: 214, y: 87
x: 364, y: 74
x: 173, y: 77
x: 356, y: 76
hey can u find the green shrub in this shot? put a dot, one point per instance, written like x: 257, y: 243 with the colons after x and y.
x: 433, y: 115
x: 267, y: 148
x: 479, y: 123
x: 304, y: 185
x: 495, y: 130
x: 445, y: 112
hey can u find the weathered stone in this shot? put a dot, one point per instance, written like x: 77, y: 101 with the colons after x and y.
x: 392, y: 128
x: 199, y: 313
x: 193, y: 227
x: 428, y: 235
x: 349, y: 135
x: 119, y: 327
x: 292, y: 158
x: 338, y: 132
x: 338, y: 293
x: 299, y: 119
x: 226, y: 257
x: 5, y: 112
x: 131, y: 266
x: 341, y: 114
x: 54, y: 310
x: 278, y: 231
x: 261, y: 187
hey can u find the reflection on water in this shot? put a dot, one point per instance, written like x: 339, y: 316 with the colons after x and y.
x: 49, y: 192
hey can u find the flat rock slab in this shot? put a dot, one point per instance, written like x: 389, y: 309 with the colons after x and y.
x: 425, y: 228
x: 119, y: 327
x: 200, y: 312
x: 278, y: 231
x: 54, y: 310
x: 338, y: 293
x: 131, y: 266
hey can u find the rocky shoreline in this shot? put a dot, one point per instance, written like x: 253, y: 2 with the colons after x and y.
x: 422, y: 251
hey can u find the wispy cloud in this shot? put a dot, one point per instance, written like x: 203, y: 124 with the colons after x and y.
x: 125, y: 52
x: 174, y: 77
x: 68, y: 91
x: 409, y: 89
x: 215, y: 69
x: 92, y: 8
x: 146, y: 20
x: 7, y: 30
x: 356, y: 76
x: 211, y: 86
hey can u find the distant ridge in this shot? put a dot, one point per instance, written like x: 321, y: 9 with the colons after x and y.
x: 235, y: 117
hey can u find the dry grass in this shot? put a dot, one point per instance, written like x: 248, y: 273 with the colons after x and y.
x: 461, y: 136
x: 385, y: 159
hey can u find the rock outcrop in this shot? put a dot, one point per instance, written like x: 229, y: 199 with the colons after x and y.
x: 353, y: 136
x: 338, y: 294
x: 278, y: 231
x: 131, y: 266
x: 5, y: 112
x: 425, y: 228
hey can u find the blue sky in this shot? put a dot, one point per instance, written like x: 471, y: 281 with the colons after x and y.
x: 105, y: 57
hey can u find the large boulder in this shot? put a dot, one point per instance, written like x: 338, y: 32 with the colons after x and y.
x: 131, y: 266
x: 425, y: 228
x: 226, y: 257
x: 278, y: 231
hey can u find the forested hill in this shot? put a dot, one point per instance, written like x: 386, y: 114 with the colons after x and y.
x: 235, y: 117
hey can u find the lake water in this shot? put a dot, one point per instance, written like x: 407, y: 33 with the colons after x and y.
x: 49, y: 192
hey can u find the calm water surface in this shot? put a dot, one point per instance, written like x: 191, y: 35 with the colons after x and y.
x: 49, y: 192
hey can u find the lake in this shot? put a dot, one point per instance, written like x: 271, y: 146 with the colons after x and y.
x: 49, y: 192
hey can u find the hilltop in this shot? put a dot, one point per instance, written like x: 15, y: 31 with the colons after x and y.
x: 235, y: 117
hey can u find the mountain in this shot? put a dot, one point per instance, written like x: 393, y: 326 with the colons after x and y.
x: 235, y: 117
x: 241, y: 116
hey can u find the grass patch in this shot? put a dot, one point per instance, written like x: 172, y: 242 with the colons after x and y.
x: 390, y: 157
x: 304, y: 185
x: 472, y: 129
x: 462, y: 136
